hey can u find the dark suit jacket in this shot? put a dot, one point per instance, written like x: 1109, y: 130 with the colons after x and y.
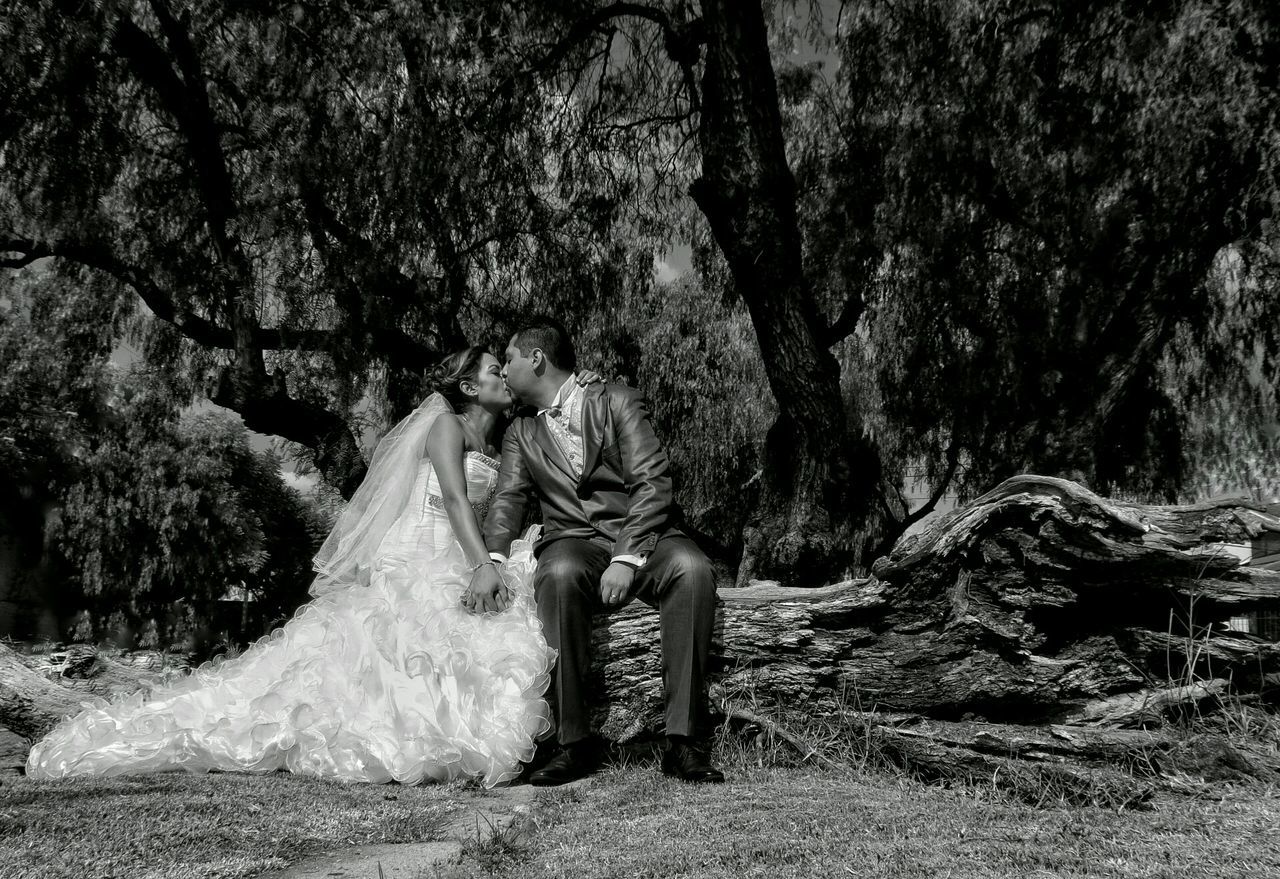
x: 623, y: 495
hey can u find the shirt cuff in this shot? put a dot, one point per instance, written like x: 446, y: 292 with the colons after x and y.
x: 498, y: 557
x: 634, y: 560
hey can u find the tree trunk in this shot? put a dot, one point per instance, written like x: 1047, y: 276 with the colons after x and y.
x: 820, y: 471
x: 1041, y: 624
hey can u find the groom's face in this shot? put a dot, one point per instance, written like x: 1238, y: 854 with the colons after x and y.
x: 519, y: 371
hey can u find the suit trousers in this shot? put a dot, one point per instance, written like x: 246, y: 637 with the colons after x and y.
x: 676, y: 579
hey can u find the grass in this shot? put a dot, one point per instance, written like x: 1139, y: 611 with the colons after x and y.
x: 780, y: 822
x: 175, y: 825
x: 806, y: 797
x: 800, y: 822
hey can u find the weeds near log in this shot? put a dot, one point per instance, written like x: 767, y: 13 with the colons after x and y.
x: 494, y: 846
x: 855, y: 741
x: 843, y: 742
x: 1194, y: 643
x: 1224, y: 736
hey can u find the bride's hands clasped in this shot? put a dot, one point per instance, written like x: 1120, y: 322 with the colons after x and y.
x: 486, y: 593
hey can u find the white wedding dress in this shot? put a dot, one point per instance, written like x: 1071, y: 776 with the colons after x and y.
x: 392, y: 680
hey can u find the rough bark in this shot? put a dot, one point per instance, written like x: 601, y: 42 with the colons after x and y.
x: 1040, y: 602
x: 1042, y: 633
x: 36, y: 691
x: 819, y: 470
x: 29, y: 703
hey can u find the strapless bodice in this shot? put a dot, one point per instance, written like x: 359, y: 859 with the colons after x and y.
x: 482, y: 484
x: 423, y: 529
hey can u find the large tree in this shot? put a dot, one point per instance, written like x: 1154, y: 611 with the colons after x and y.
x: 349, y: 181
x: 317, y: 197
x: 1012, y: 228
x: 1005, y: 218
x: 119, y: 506
x: 1061, y: 218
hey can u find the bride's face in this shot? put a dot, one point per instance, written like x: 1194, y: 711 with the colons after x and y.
x: 493, y: 395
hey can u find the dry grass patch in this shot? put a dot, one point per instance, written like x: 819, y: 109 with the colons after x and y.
x: 200, y: 826
x: 793, y: 823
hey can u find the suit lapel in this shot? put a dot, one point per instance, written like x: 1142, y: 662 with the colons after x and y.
x: 594, y: 406
x: 550, y: 448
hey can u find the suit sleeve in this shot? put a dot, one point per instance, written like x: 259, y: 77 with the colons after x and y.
x: 515, y: 487
x: 647, y: 472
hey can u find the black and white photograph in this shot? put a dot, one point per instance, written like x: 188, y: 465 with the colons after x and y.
x: 465, y: 439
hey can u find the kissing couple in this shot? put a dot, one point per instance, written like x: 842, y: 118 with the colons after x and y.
x: 441, y: 641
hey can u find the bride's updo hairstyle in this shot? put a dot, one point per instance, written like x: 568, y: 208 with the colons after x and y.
x: 446, y: 379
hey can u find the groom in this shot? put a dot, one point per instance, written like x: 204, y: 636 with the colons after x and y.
x: 609, y: 535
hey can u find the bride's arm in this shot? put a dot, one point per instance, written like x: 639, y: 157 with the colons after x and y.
x: 445, y: 447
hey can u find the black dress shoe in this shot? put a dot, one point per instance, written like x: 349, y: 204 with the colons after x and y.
x: 688, y: 763
x: 541, y: 757
x: 576, y: 760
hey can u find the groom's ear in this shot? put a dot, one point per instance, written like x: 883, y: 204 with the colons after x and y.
x: 538, y: 360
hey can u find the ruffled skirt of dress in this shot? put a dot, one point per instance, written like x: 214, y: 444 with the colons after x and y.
x: 390, y: 682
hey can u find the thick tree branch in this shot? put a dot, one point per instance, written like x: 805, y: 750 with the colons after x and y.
x: 188, y: 103
x: 160, y: 302
x: 340, y: 244
x: 261, y: 400
x: 847, y: 322
x: 953, y: 462
x: 896, y: 527
x: 266, y: 407
x: 682, y: 42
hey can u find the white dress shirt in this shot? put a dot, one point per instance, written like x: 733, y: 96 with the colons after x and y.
x: 563, y: 419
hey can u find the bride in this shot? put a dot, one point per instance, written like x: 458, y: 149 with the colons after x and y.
x: 418, y: 658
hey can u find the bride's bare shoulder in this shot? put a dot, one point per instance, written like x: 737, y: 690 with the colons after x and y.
x: 446, y: 434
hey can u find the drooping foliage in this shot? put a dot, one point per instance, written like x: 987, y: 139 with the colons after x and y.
x: 119, y: 507
x: 1062, y: 216
x: 1002, y: 236
x: 321, y: 198
x: 697, y: 360
x: 168, y: 515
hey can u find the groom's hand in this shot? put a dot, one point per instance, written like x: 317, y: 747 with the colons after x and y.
x: 615, y: 584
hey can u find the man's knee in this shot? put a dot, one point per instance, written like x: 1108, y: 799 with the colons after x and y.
x: 560, y: 573
x: 689, y: 565
x: 688, y: 572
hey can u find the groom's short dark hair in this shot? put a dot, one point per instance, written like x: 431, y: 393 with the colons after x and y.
x: 547, y: 333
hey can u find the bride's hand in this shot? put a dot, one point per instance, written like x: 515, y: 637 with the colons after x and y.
x: 589, y: 376
x: 487, y: 593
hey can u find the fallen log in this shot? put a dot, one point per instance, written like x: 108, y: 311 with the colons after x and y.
x: 30, y: 704
x: 1040, y: 602
x: 36, y: 691
x: 1062, y: 622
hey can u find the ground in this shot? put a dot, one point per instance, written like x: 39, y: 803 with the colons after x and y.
x: 783, y: 823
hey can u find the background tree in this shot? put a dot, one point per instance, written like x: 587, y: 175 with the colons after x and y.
x: 695, y: 357
x: 989, y: 201
x: 314, y: 197
x: 53, y: 383
x: 1061, y: 216
x: 123, y: 508
x: 168, y: 514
